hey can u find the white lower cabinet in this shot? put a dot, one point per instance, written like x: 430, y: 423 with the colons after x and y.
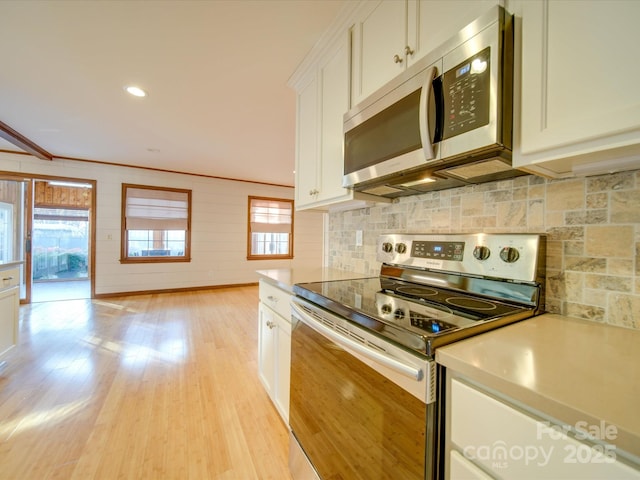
x: 461, y: 468
x: 274, y: 346
x: 9, y: 308
x: 489, y: 437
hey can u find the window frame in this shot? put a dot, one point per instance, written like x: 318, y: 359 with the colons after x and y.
x: 124, y: 238
x: 253, y: 256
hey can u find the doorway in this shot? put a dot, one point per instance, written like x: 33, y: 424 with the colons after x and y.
x: 61, y: 233
x: 60, y: 266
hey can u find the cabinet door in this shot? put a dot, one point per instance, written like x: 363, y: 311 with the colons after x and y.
x: 283, y: 367
x: 462, y: 469
x: 492, y: 434
x: 377, y: 38
x: 579, y: 80
x: 9, y: 304
x: 307, y: 143
x: 433, y: 22
x: 334, y: 88
x: 267, y: 332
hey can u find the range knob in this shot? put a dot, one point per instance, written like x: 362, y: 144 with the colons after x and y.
x: 401, y: 248
x: 481, y: 252
x: 386, y: 309
x: 509, y: 254
x: 387, y: 247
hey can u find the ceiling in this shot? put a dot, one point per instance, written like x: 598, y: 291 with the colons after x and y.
x: 215, y: 72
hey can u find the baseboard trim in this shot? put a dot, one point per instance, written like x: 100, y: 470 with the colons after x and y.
x: 172, y: 290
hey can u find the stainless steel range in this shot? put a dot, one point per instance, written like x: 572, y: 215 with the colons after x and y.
x: 365, y: 399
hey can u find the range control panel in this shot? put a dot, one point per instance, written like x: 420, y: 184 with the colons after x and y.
x: 453, y: 251
x: 505, y: 256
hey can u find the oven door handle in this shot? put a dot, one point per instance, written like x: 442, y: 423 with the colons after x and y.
x: 345, y: 342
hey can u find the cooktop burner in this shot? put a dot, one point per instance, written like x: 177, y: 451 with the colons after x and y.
x: 416, y: 291
x: 471, y: 303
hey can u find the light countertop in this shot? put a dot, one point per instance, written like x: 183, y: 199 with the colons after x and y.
x: 572, y: 370
x: 286, y: 278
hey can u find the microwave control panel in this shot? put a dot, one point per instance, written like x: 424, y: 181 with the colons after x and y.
x: 466, y: 95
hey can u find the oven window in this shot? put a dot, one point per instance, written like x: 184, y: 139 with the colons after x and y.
x: 351, y: 421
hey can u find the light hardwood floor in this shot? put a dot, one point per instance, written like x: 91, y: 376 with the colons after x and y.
x: 152, y: 386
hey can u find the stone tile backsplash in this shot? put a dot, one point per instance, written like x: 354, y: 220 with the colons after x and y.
x: 592, y: 226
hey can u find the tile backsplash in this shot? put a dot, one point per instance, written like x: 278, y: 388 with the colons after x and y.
x: 592, y: 226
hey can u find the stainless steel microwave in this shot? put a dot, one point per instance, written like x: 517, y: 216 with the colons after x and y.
x: 446, y: 121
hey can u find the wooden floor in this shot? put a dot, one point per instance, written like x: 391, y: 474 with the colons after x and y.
x: 151, y: 386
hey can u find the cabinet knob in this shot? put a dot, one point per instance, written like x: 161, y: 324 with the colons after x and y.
x: 272, y: 299
x: 408, y: 50
x: 270, y: 324
x: 397, y: 59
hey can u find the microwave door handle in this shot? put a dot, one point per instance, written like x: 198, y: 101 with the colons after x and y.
x: 426, y: 98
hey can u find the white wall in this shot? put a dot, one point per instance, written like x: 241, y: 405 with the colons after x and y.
x: 219, y: 227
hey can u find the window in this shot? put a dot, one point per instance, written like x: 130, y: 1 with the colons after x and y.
x: 270, y: 228
x: 156, y: 224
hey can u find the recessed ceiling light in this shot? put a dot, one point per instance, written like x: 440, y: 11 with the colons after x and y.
x: 135, y: 91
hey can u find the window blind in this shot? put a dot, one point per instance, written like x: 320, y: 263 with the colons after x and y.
x: 149, y: 209
x: 270, y: 216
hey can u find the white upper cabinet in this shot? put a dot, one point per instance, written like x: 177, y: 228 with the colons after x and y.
x: 322, y: 100
x: 579, y: 97
x: 333, y: 75
x: 391, y: 35
x: 379, y: 41
x: 322, y: 93
x: 307, y: 142
x: 433, y: 22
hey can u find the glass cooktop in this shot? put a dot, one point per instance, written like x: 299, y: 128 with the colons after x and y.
x: 411, y: 310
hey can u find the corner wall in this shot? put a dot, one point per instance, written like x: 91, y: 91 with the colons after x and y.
x: 592, y: 227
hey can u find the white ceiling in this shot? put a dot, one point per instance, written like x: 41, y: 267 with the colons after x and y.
x: 216, y: 73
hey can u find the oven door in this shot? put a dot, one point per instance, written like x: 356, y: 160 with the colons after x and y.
x: 360, y: 407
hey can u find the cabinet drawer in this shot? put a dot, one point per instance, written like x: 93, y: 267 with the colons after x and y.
x: 463, y: 469
x: 514, y: 444
x: 9, y: 278
x: 276, y: 299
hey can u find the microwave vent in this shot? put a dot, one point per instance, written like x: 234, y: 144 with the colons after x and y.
x: 490, y: 167
x: 382, y: 190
